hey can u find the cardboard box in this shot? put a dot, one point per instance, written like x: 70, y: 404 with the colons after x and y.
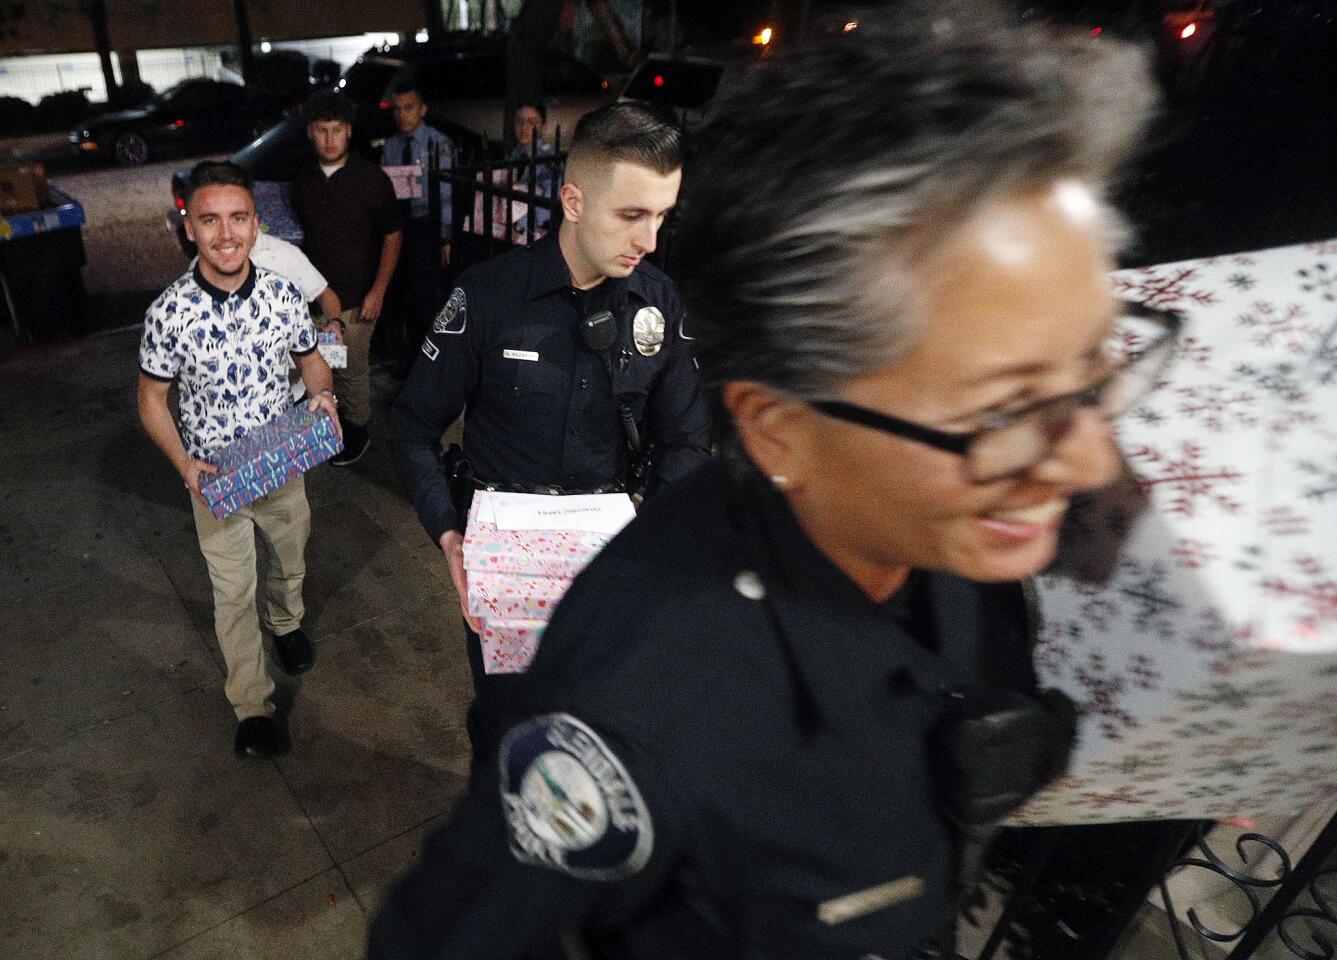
x: 1193, y: 611
x: 22, y: 187
x: 509, y: 645
x: 268, y: 457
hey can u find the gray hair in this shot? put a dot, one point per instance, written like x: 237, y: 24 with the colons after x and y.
x: 831, y: 171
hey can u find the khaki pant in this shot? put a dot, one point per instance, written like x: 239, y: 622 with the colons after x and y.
x: 283, y: 518
x: 352, y: 383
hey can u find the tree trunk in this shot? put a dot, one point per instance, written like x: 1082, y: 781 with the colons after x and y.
x: 531, y: 32
x: 245, y: 49
x: 97, y: 16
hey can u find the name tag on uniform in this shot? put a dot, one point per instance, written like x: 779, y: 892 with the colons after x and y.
x: 519, y: 354
x: 869, y: 901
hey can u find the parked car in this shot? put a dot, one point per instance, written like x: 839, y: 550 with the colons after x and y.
x: 195, y: 116
x: 463, y: 80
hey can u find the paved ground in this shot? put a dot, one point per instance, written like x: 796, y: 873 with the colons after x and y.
x: 126, y: 238
x: 129, y: 830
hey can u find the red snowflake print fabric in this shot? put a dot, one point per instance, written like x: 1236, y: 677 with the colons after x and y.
x: 1192, y: 611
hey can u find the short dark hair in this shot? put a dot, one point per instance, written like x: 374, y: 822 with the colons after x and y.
x: 408, y: 84
x: 538, y: 105
x: 329, y: 105
x: 216, y: 173
x: 630, y: 131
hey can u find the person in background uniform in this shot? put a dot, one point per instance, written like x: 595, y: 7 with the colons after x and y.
x: 531, y: 123
x: 224, y: 332
x: 415, y: 291
x: 758, y: 723
x: 542, y: 409
x: 350, y: 217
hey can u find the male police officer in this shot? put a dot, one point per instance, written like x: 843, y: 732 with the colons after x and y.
x: 550, y: 407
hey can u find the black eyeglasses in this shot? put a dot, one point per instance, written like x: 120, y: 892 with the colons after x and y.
x: 1008, y: 442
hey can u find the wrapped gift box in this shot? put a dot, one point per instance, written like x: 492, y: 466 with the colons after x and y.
x: 547, y: 553
x: 335, y: 353
x: 1192, y: 613
x: 273, y: 205
x: 268, y: 457
x: 521, y: 554
x: 514, y: 596
x: 509, y: 645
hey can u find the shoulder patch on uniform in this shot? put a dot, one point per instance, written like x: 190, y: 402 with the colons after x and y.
x: 570, y: 803
x: 453, y: 317
x: 431, y: 349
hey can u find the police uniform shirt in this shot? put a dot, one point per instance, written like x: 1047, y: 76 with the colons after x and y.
x: 724, y: 756
x: 506, y: 350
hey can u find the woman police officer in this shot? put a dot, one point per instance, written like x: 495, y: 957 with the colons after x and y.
x: 895, y: 259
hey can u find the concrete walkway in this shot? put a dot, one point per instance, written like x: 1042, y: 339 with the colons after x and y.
x: 127, y: 829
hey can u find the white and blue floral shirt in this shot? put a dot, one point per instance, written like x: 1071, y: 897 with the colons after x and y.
x: 228, y: 352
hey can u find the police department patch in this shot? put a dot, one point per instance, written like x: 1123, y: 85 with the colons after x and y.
x: 570, y: 803
x: 453, y: 317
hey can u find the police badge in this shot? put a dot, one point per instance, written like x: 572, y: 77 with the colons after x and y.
x: 570, y: 803
x: 647, y: 329
x: 453, y: 317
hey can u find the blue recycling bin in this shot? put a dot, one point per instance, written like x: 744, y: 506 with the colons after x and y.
x: 41, y: 270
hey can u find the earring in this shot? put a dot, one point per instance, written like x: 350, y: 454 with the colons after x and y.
x: 779, y: 481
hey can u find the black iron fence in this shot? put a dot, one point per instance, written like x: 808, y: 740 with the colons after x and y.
x: 1072, y: 893
x: 497, y: 204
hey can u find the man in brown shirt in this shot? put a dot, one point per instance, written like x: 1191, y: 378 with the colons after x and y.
x: 347, y: 208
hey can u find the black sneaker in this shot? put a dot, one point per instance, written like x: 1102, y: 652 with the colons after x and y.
x: 356, y: 441
x: 295, y: 653
x: 257, y: 737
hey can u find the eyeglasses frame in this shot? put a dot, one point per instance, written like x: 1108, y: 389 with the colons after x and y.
x: 960, y: 443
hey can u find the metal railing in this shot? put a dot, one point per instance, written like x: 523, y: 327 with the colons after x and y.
x: 1059, y: 905
x: 496, y: 204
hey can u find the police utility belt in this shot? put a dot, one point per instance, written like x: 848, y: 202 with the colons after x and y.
x: 463, y: 483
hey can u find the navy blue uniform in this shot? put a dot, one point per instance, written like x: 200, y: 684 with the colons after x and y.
x: 722, y: 754
x: 538, y: 405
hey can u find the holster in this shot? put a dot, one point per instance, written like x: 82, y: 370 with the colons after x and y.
x: 994, y: 747
x: 460, y: 477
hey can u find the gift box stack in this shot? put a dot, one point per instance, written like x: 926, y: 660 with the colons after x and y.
x: 268, y: 457
x: 1192, y: 613
x: 517, y: 576
x: 334, y: 352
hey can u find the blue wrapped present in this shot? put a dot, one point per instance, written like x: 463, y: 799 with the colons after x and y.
x: 268, y: 457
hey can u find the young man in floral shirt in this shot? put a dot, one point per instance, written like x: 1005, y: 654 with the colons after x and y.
x: 223, y: 333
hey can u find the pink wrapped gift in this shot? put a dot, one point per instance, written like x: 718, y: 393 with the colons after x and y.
x: 546, y: 553
x: 514, y: 596
x: 509, y: 645
x: 1192, y: 614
